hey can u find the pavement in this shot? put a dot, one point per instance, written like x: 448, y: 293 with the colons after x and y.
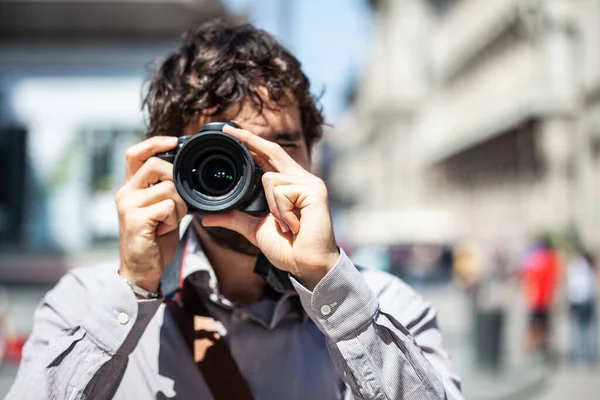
x: 522, y: 377
x: 518, y: 376
x: 567, y: 382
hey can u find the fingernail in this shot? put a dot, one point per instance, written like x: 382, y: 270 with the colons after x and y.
x: 171, y: 140
x: 283, y: 227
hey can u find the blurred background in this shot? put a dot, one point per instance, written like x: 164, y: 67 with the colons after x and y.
x: 462, y: 156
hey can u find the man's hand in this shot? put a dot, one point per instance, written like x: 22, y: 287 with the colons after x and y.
x: 149, y: 213
x: 297, y: 235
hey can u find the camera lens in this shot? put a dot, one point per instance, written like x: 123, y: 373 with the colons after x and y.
x: 217, y: 175
x: 214, y: 172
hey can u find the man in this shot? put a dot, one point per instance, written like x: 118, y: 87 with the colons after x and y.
x: 581, y: 294
x: 540, y: 276
x: 342, y: 333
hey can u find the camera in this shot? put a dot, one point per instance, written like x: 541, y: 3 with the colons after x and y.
x: 214, y: 172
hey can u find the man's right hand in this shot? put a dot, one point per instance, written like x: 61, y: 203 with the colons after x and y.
x: 150, y: 210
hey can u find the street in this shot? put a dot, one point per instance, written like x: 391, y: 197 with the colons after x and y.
x: 521, y: 378
x: 572, y: 383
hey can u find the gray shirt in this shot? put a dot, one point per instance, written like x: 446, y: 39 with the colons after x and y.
x: 360, y: 334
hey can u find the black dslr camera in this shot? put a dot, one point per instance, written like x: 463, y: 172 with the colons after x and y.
x: 214, y: 172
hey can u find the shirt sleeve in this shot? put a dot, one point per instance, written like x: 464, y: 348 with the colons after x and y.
x: 80, y: 343
x: 377, y: 356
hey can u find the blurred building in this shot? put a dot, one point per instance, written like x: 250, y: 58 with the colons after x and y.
x: 71, y: 75
x: 482, y: 115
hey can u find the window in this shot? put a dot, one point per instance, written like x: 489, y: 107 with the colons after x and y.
x: 12, y: 183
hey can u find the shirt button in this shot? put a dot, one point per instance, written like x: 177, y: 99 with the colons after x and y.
x: 83, y: 396
x: 123, y: 318
x: 244, y: 316
x: 212, y: 283
x: 325, y: 309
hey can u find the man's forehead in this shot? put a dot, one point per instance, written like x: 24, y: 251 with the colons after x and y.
x: 265, y: 123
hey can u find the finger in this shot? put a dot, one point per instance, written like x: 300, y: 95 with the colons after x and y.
x: 140, y: 152
x: 269, y: 181
x: 285, y: 197
x: 240, y: 222
x: 163, y: 216
x: 156, y: 193
x: 151, y: 172
x: 262, y: 162
x: 269, y: 155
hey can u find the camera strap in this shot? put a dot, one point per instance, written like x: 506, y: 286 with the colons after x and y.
x: 208, y: 348
x: 198, y: 328
x: 279, y: 280
x: 210, y: 353
x: 171, y: 282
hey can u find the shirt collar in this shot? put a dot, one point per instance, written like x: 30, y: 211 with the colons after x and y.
x: 197, y: 270
x: 195, y: 260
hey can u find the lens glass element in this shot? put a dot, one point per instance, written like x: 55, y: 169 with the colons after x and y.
x: 217, y: 175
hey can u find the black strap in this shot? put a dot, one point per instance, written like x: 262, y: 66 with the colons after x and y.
x: 171, y: 280
x: 278, y: 280
x: 218, y: 367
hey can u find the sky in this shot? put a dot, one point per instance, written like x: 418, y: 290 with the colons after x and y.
x: 329, y: 37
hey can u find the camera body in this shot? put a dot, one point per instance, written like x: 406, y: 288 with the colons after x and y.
x: 214, y: 172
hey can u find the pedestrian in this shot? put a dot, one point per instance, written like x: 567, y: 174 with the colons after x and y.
x: 492, y: 298
x: 540, y: 273
x: 581, y: 292
x: 338, y: 331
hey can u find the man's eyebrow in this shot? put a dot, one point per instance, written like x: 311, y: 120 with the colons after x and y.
x: 286, y: 136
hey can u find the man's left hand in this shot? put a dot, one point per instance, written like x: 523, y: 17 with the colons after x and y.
x: 297, y: 235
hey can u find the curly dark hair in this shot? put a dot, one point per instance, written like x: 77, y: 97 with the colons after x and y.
x: 221, y: 64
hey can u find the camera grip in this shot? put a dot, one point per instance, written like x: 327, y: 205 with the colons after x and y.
x: 167, y: 155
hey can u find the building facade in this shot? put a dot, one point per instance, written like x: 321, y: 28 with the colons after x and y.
x: 485, y: 111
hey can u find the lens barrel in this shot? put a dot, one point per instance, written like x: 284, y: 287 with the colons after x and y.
x: 214, y: 172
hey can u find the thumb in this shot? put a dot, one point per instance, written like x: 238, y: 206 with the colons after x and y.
x: 240, y: 222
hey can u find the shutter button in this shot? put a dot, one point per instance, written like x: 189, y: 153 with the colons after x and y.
x: 123, y: 318
x: 325, y: 310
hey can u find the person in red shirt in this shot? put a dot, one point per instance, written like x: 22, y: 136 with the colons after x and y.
x: 540, y: 272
